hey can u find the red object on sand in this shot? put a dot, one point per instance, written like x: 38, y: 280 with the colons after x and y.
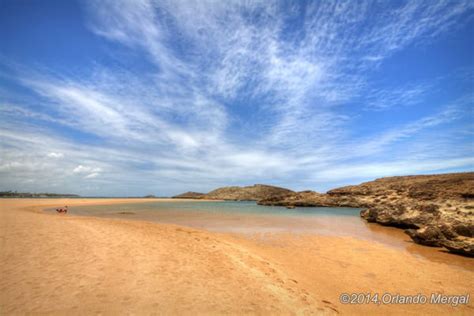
x: 62, y: 210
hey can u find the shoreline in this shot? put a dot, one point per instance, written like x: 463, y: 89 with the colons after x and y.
x: 75, y: 264
x: 227, y: 223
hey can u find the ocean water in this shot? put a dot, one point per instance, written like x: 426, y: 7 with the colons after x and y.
x: 218, y: 207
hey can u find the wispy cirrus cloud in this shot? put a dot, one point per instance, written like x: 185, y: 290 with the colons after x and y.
x: 236, y: 92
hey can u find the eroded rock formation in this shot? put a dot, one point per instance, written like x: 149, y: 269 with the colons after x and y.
x: 435, y: 210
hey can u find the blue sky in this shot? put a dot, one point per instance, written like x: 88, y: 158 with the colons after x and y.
x: 160, y: 97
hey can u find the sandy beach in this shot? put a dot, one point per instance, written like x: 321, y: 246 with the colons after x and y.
x: 63, y: 264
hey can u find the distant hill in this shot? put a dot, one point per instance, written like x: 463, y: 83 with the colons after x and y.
x: 255, y: 192
x: 189, y: 195
x: 249, y: 193
x: 14, y: 194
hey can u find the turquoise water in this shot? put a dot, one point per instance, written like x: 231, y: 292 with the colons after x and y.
x: 235, y: 217
x: 227, y: 207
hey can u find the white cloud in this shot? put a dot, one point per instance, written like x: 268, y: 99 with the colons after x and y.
x: 405, y: 96
x: 55, y: 155
x: 397, y: 168
x: 246, y: 102
x: 92, y: 175
x: 381, y: 141
x: 86, y: 169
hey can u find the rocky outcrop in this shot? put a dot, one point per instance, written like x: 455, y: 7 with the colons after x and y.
x: 249, y: 193
x: 421, y: 188
x: 435, y: 210
x: 303, y: 198
x: 311, y: 199
x: 189, y: 195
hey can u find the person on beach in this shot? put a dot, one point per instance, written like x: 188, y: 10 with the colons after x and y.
x: 62, y: 210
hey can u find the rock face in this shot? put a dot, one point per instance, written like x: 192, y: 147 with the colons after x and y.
x: 303, y: 198
x: 189, y: 195
x: 311, y: 199
x: 436, y: 210
x: 250, y: 193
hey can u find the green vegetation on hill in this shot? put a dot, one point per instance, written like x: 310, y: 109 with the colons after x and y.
x: 15, y: 194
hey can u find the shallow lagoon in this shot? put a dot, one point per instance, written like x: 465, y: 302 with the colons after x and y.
x: 246, y: 218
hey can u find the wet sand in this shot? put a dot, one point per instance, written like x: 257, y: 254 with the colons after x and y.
x: 63, y: 264
x: 266, y: 226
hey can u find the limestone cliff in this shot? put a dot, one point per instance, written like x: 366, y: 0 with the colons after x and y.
x: 436, y: 210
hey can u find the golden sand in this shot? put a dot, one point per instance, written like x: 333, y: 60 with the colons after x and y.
x: 63, y: 264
